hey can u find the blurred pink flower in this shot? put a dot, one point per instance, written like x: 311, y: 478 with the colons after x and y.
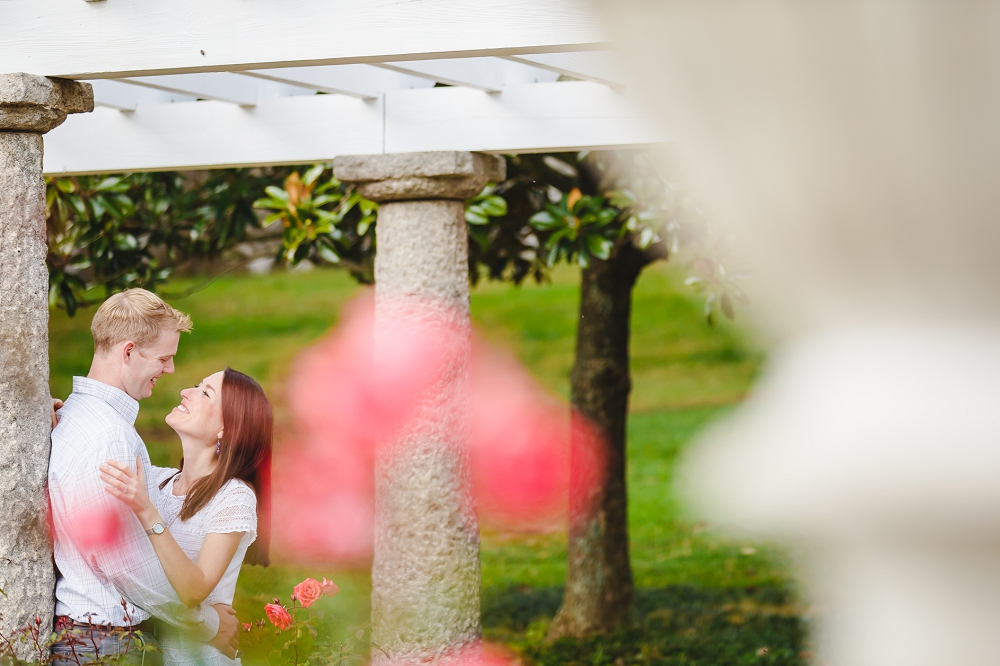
x: 328, y: 587
x: 91, y: 529
x: 350, y: 393
x: 247, y: 626
x: 278, y: 616
x: 526, y: 449
x: 323, y: 504
x: 365, y: 390
x: 308, y: 591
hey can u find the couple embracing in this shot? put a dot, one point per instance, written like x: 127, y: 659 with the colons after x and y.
x: 176, y: 537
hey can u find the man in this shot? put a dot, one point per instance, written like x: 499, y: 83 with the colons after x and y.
x: 110, y: 581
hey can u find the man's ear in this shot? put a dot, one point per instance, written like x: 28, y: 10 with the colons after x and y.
x: 127, y: 350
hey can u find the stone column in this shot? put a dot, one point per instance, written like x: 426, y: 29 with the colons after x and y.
x: 425, y: 573
x: 29, y: 106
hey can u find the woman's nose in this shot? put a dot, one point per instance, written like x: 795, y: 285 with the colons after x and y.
x: 184, y: 393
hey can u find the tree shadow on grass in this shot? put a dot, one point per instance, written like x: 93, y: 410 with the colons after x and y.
x: 671, y: 625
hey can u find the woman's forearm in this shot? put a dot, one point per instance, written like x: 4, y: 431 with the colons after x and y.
x: 187, y: 579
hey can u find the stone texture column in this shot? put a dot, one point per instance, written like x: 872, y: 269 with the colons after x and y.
x: 29, y: 107
x: 425, y: 574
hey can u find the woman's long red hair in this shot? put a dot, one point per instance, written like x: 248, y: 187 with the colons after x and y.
x: 245, y: 454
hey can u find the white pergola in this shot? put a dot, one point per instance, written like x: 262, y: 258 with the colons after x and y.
x: 189, y: 84
x: 411, y: 99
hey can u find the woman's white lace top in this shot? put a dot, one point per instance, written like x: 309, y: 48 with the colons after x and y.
x: 233, y: 509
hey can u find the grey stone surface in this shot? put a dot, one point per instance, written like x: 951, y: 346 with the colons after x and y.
x: 425, y: 573
x: 409, y: 176
x: 26, y: 573
x: 30, y: 103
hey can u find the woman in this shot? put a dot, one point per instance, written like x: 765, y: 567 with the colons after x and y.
x: 206, y: 514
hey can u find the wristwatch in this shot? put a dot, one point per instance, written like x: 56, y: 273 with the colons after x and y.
x: 157, y: 528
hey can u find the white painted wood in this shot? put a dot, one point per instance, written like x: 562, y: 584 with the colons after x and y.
x: 219, y: 86
x: 126, y: 97
x: 597, y: 66
x: 487, y: 73
x: 539, y: 117
x: 361, y: 81
x: 193, y: 135
x: 131, y: 38
x: 314, y: 128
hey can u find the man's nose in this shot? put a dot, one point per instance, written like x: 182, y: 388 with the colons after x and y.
x: 168, y: 367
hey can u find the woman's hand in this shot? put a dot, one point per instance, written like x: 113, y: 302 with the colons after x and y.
x: 130, y: 487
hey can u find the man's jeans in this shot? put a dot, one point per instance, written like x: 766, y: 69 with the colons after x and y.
x: 86, y: 645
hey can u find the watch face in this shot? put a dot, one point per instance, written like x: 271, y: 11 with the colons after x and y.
x: 158, y: 528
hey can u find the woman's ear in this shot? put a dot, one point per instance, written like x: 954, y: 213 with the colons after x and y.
x: 219, y: 436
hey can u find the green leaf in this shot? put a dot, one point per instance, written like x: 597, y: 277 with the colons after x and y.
x: 599, y: 246
x: 108, y: 184
x: 622, y: 199
x: 646, y: 238
x: 544, y: 220
x: 605, y: 216
x: 126, y: 242
x: 277, y: 193
x: 364, y: 224
x: 494, y: 206
x: 327, y: 253
x: 553, y: 255
x: 476, y: 215
x: 313, y: 173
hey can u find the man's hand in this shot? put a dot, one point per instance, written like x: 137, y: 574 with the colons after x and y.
x: 56, y: 404
x: 227, y: 641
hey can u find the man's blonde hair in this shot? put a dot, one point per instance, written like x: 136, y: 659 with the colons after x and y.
x: 135, y: 315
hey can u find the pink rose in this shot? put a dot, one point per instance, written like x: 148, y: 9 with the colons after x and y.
x: 328, y: 587
x: 307, y: 592
x: 278, y: 616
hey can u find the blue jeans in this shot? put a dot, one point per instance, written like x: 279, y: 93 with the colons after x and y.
x: 83, y: 645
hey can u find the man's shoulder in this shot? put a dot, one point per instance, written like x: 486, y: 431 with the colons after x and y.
x: 87, y: 419
x: 87, y: 412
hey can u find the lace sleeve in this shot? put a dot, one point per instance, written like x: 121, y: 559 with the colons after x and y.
x: 235, y: 511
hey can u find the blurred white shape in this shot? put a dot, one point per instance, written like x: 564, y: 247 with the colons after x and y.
x: 854, y: 147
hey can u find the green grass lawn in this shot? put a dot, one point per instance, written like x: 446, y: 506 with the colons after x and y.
x: 701, y: 599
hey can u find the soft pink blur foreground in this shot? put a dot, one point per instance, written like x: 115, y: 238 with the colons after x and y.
x: 346, y: 400
x: 92, y: 529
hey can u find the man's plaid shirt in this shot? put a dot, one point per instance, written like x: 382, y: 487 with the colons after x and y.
x: 97, y: 423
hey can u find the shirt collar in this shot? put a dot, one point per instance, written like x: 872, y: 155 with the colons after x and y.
x: 120, y: 401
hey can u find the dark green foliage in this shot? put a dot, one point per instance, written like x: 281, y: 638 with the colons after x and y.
x: 324, y: 221
x: 131, y: 230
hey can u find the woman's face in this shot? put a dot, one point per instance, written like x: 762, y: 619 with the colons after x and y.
x: 200, y: 413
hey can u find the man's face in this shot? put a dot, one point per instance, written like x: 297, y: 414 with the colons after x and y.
x: 147, y: 364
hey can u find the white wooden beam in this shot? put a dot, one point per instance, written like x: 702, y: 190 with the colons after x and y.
x: 539, y: 117
x: 486, y: 73
x: 218, y: 86
x: 196, y: 135
x: 315, y: 128
x: 127, y: 97
x: 361, y: 81
x: 131, y: 38
x: 597, y: 66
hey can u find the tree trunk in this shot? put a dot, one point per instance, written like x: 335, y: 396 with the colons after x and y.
x: 598, y: 594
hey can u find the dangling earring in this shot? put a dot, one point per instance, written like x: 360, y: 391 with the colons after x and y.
x: 218, y: 446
